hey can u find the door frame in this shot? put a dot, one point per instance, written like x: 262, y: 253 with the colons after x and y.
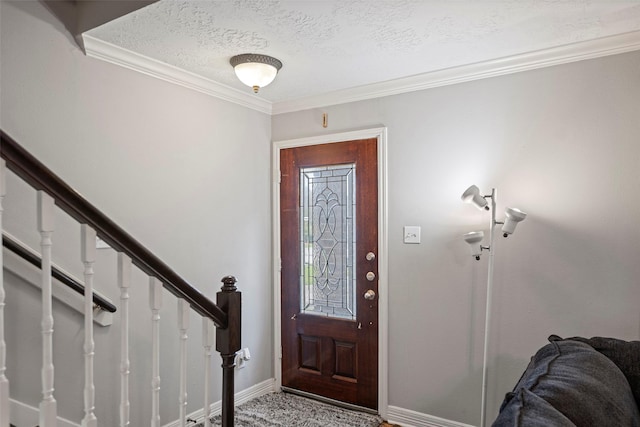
x: 380, y: 133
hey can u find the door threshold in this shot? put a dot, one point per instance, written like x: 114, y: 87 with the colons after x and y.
x: 333, y: 402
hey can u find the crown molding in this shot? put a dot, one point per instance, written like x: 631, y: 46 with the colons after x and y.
x: 579, y: 51
x: 96, y: 48
x: 573, y: 52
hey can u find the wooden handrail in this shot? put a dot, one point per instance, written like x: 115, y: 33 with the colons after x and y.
x: 56, y: 273
x: 32, y: 171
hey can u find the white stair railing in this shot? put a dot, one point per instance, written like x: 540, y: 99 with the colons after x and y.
x: 155, y: 303
x: 183, y: 326
x: 4, y: 382
x: 208, y: 339
x: 48, y: 405
x: 52, y: 190
x: 124, y: 281
x: 88, y: 251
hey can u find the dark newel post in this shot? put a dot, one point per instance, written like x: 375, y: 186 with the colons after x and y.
x: 228, y: 343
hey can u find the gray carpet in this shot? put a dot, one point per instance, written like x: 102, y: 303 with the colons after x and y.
x: 290, y: 410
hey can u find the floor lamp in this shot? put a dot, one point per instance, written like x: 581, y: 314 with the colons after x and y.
x: 474, y: 239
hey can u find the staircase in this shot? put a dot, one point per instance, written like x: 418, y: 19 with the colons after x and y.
x: 220, y: 320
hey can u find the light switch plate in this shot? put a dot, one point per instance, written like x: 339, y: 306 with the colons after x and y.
x: 412, y: 234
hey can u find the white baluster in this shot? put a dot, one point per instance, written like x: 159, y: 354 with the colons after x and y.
x: 4, y: 382
x: 124, y: 281
x: 208, y: 337
x: 155, y: 302
x: 183, y: 325
x: 48, y: 406
x: 88, y: 252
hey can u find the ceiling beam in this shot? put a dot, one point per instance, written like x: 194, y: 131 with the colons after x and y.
x: 93, y: 13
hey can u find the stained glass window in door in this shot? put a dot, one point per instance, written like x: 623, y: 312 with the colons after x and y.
x: 328, y: 241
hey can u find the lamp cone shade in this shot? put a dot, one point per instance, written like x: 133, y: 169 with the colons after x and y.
x: 472, y: 195
x: 474, y: 239
x: 514, y: 216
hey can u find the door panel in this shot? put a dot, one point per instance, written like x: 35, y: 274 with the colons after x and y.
x: 329, y: 212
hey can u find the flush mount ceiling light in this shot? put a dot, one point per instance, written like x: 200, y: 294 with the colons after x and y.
x: 255, y: 70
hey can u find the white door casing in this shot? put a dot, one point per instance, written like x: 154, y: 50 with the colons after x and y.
x: 381, y: 134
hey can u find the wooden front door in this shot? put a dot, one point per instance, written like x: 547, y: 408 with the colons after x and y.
x: 329, y: 248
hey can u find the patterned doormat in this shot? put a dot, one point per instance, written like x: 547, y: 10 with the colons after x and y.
x: 290, y: 410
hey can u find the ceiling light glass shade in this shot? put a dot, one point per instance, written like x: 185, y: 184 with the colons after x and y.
x: 255, y: 70
x: 472, y: 195
x: 474, y: 239
x: 514, y: 216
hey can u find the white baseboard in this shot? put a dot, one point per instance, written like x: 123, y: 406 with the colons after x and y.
x: 21, y: 415
x: 408, y: 418
x: 241, y: 397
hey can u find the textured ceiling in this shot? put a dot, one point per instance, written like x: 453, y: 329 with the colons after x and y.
x: 332, y: 45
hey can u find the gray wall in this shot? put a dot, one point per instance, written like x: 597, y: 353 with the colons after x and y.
x: 171, y: 166
x: 562, y: 144
x: 168, y: 164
